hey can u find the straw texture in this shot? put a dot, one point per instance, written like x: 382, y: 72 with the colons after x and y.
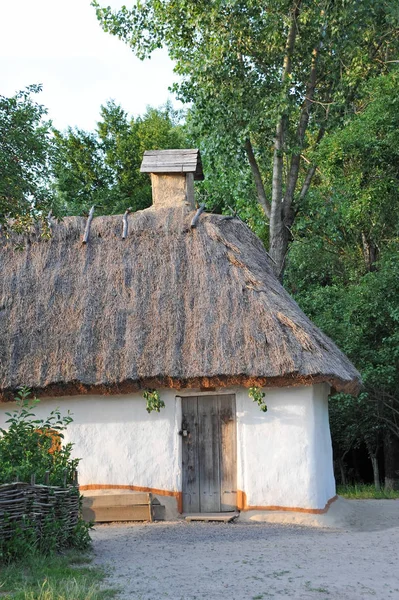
x: 168, y: 306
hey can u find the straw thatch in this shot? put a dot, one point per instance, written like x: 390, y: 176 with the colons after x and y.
x: 168, y: 306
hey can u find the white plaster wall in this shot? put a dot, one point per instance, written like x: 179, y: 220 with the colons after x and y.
x: 323, y: 447
x: 284, y: 456
x: 118, y: 441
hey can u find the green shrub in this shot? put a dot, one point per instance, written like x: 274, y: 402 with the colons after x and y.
x: 32, y: 446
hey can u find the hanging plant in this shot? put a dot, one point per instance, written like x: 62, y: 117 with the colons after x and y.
x: 153, y: 400
x: 257, y: 396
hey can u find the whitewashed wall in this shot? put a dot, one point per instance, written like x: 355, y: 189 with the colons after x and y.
x: 284, y: 456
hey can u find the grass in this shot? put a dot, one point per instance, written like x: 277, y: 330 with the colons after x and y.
x: 363, y: 491
x: 62, y: 577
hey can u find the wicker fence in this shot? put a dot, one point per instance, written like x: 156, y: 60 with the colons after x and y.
x: 27, y: 505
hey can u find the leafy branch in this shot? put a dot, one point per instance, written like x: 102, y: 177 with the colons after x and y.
x: 154, y: 402
x: 257, y: 396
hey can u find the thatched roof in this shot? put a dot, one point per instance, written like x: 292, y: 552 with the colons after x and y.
x: 168, y: 306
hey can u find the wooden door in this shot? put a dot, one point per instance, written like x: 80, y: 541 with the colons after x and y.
x: 209, y: 454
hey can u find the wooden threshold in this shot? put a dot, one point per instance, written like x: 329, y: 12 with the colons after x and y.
x: 221, y: 517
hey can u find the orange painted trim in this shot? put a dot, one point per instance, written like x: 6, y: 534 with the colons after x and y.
x: 243, y: 505
x: 136, y: 488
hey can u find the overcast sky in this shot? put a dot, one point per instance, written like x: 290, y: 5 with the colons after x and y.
x: 60, y: 44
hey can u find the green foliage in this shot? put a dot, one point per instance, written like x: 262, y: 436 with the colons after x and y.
x: 344, y: 262
x: 30, y: 445
x: 66, y: 576
x: 54, y: 537
x: 153, y: 399
x: 103, y: 167
x: 25, y: 157
x: 352, y: 215
x: 230, y: 57
x: 23, y: 541
x: 364, y: 491
x: 257, y: 396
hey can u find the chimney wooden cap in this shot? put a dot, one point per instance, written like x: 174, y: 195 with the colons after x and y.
x: 173, y: 161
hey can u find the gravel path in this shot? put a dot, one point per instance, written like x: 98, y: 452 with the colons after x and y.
x: 254, y: 561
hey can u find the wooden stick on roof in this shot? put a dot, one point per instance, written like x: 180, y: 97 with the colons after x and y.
x: 125, y: 223
x: 87, y: 228
x: 197, y: 216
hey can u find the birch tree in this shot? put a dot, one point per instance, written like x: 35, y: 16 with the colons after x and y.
x: 272, y: 76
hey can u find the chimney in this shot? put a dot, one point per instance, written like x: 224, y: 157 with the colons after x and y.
x: 172, y: 175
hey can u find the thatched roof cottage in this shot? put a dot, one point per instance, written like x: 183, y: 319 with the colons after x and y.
x: 194, y: 311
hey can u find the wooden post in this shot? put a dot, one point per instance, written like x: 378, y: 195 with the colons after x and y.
x: 197, y: 216
x: 46, y: 477
x: 64, y: 479
x: 190, y: 190
x: 75, y: 478
x: 33, y: 479
x: 150, y: 507
x: 87, y: 228
x: 125, y: 224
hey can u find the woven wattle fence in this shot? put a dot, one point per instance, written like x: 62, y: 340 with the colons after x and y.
x: 26, y: 505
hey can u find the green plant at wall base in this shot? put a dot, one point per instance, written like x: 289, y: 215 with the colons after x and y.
x: 153, y: 400
x: 33, y: 446
x: 257, y: 396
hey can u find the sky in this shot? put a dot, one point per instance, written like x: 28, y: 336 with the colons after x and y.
x: 60, y: 44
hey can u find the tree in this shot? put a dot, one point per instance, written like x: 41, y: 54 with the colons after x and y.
x: 344, y: 267
x: 103, y: 167
x: 272, y: 77
x: 25, y: 156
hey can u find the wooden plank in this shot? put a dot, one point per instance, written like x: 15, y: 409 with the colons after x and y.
x: 223, y: 517
x: 228, y: 452
x: 178, y: 165
x: 209, y: 463
x: 173, y: 161
x: 162, y: 168
x: 171, y: 151
x: 117, y: 513
x: 190, y: 457
x: 120, y: 499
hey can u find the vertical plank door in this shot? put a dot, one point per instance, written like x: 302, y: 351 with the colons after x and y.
x: 190, y: 457
x: 228, y: 453
x: 209, y: 454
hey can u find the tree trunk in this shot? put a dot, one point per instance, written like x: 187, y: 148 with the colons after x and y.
x: 374, y: 463
x: 342, y: 471
x: 391, y: 461
x: 279, y: 234
x: 370, y: 253
x: 376, y: 472
x: 260, y: 188
x: 278, y: 242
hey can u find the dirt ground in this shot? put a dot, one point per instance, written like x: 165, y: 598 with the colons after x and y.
x: 356, y: 559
